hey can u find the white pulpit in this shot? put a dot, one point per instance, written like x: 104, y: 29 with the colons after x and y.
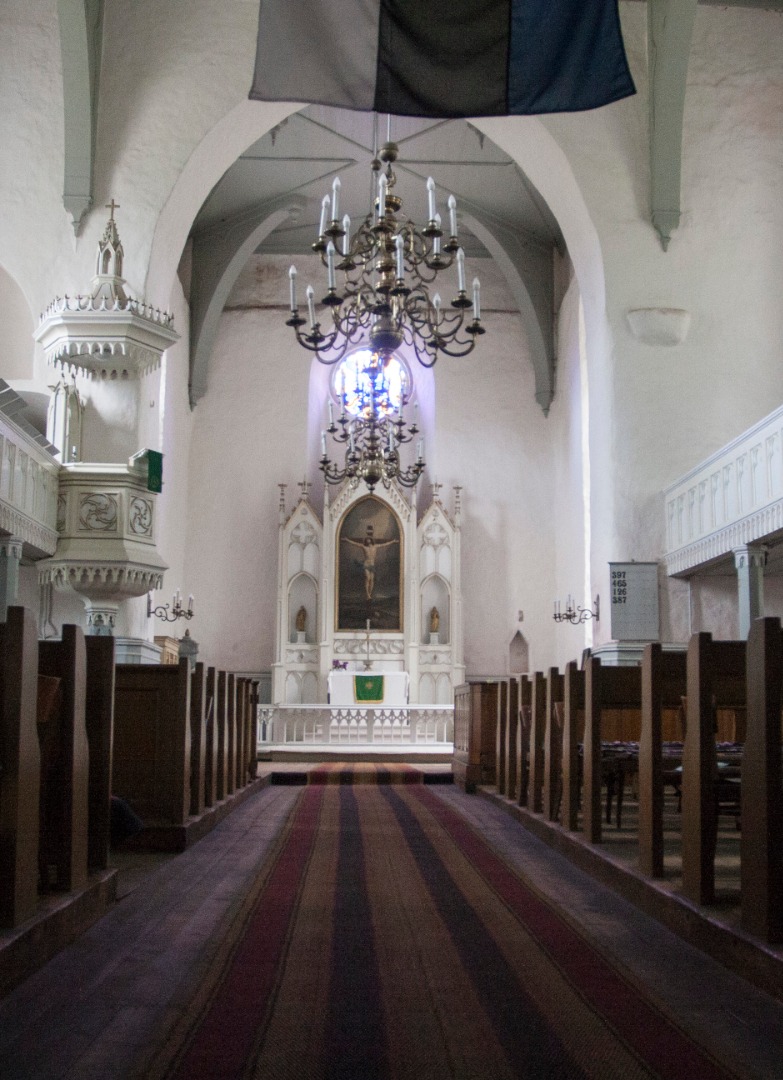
x: 342, y: 689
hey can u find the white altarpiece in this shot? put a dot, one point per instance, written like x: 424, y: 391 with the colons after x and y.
x: 419, y: 630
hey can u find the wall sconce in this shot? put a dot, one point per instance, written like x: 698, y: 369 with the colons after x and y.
x: 177, y: 610
x: 577, y: 615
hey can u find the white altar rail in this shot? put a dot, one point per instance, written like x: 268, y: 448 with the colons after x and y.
x: 733, y: 498
x: 425, y: 725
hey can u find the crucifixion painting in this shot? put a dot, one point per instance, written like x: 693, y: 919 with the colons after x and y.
x: 369, y: 568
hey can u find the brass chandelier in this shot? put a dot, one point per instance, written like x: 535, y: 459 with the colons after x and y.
x: 386, y: 268
x: 372, y: 435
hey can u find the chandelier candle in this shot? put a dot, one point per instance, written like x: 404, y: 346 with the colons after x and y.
x: 378, y: 279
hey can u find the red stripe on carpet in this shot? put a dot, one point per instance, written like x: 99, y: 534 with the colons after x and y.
x: 231, y: 1026
x: 656, y: 1040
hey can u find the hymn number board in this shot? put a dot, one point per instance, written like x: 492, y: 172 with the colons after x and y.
x: 634, y: 601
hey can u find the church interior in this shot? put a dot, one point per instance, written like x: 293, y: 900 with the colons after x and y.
x: 439, y: 676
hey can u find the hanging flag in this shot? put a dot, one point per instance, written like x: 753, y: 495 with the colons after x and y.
x: 442, y: 59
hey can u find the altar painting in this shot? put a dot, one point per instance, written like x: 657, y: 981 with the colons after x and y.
x: 369, y: 568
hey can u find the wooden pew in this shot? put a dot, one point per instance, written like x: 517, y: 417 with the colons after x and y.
x: 152, y: 740
x: 761, y: 845
x: 475, y: 706
x: 252, y: 732
x: 21, y: 768
x: 231, y: 733
x: 64, y: 798
x: 535, y: 784
x: 198, y: 739
x: 614, y: 688
x: 512, y: 723
x: 210, y: 740
x: 99, y: 719
x: 573, y: 735
x: 663, y: 687
x: 716, y: 674
x: 221, y: 708
x: 525, y: 707
x: 501, y: 732
x: 553, y: 745
x: 243, y: 688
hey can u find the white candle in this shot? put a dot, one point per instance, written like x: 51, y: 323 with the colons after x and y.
x: 399, y: 243
x: 416, y: 410
x: 420, y: 454
x: 190, y: 602
x: 331, y: 414
x: 324, y: 212
x: 330, y: 254
x: 347, y: 237
x: 436, y: 239
x: 382, y: 185
x: 368, y: 624
x: 460, y: 270
x: 431, y: 197
x: 292, y: 280
x: 323, y: 444
x: 476, y: 304
x: 453, y: 215
x: 436, y: 305
x: 311, y: 306
x: 335, y: 198
x: 391, y: 440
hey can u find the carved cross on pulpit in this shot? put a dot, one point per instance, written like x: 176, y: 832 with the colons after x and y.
x: 112, y: 206
x: 436, y: 490
x: 304, y: 486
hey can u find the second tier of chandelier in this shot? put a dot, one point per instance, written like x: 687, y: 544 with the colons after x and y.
x: 383, y: 303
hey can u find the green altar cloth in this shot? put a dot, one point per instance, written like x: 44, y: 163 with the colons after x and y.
x: 368, y: 689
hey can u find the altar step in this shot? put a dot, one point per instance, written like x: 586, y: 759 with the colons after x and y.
x: 411, y: 753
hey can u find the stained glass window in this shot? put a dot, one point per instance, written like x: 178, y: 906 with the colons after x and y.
x: 361, y: 372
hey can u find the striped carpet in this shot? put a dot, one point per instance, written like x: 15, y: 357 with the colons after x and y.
x: 365, y: 772
x: 385, y: 940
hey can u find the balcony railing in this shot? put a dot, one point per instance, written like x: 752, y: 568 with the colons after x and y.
x: 423, y: 725
x: 733, y: 498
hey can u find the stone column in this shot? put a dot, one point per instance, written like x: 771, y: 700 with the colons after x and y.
x: 10, y: 557
x: 750, y: 561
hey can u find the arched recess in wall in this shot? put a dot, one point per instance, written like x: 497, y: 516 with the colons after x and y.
x: 16, y: 318
x: 518, y: 654
x: 435, y: 596
x: 525, y: 139
x: 303, y: 593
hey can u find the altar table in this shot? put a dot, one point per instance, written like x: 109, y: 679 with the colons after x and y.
x: 342, y: 695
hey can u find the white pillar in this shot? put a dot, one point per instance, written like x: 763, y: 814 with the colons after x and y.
x: 10, y: 557
x: 750, y: 561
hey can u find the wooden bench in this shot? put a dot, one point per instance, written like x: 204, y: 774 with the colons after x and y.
x: 475, y: 743
x: 20, y: 768
x: 65, y: 766
x: 524, y: 712
x: 761, y: 844
x: 553, y: 744
x: 606, y: 688
x: 152, y: 740
x: 663, y: 686
x: 716, y: 677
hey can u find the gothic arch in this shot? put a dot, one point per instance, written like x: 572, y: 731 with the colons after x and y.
x: 526, y: 140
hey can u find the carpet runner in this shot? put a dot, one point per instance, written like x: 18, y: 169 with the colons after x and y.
x: 365, y: 772
x: 386, y: 940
